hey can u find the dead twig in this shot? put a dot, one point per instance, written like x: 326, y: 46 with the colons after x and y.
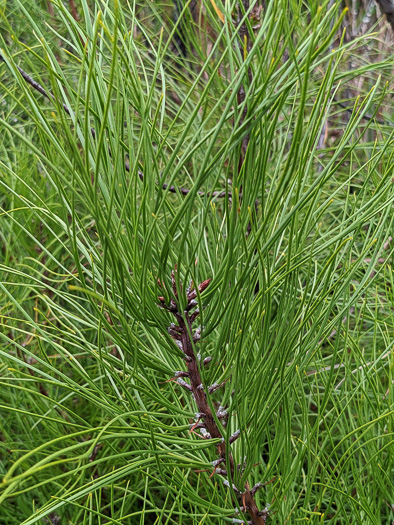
x: 387, y: 6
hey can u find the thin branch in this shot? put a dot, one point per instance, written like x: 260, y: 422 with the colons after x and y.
x: 364, y: 117
x: 74, y: 10
x: 245, y: 47
x: 361, y: 367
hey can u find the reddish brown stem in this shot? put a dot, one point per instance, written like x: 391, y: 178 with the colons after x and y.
x: 183, y: 334
x: 244, y: 42
x: 74, y: 11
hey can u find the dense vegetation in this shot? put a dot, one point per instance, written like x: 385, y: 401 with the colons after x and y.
x: 184, y: 183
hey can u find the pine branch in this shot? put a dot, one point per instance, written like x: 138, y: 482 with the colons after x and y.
x: 172, y: 189
x: 185, y: 338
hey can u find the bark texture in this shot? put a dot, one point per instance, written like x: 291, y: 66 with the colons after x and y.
x: 387, y: 6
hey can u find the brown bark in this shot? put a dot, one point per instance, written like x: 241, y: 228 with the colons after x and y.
x: 387, y: 6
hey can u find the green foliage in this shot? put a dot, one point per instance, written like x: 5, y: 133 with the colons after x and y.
x: 299, y: 315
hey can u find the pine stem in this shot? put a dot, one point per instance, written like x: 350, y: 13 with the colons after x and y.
x: 183, y: 334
